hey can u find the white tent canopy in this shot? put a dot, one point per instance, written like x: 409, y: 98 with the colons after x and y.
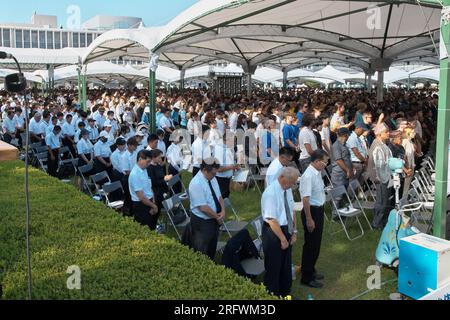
x: 29, y: 76
x: 35, y: 59
x: 102, y: 71
x: 284, y: 34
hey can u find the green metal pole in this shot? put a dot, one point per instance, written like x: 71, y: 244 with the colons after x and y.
x: 442, y: 138
x: 83, y: 102
x: 79, y: 85
x: 152, y: 101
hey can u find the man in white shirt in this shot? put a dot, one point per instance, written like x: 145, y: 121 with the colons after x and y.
x: 284, y: 159
x: 93, y: 131
x: 45, y: 122
x: 112, y: 122
x: 207, y: 207
x: 307, y: 141
x: 234, y: 118
x: 100, y: 118
x: 53, y: 142
x: 200, y: 151
x: 175, y: 160
x: 35, y: 128
x: 68, y: 134
x: 225, y: 158
x: 102, y: 154
x: 166, y: 124
x: 9, y: 127
x: 194, y: 126
x: 279, y: 232
x: 116, y: 159
x: 129, y: 158
x: 144, y: 208
x: 312, y: 190
x: 127, y: 163
x: 108, y: 131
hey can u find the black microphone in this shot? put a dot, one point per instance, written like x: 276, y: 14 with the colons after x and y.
x: 4, y: 55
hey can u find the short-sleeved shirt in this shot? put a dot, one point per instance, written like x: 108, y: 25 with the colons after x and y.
x: 93, y: 133
x: 139, y: 181
x: 267, y: 141
x: 35, y: 127
x: 312, y: 186
x: 116, y: 159
x: 273, y: 172
x: 355, y: 142
x: 340, y: 152
x: 306, y: 136
x: 200, y: 151
x: 102, y: 150
x: 128, y: 160
x: 225, y: 157
x: 68, y: 130
x: 165, y: 122
x: 9, y: 125
x: 53, y: 141
x: 84, y: 147
x: 43, y: 127
x: 200, y: 195
x: 99, y: 120
x: 289, y: 134
x: 325, y: 135
x: 272, y: 204
x: 336, y: 121
x: 162, y: 147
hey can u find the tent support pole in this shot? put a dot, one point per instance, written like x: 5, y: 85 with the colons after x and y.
x: 442, y: 137
x: 152, y: 101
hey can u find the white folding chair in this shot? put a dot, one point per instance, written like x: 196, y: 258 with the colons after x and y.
x: 348, y: 213
x: 169, y: 206
x: 184, y: 195
x: 42, y: 159
x: 356, y: 190
x: 235, y: 225
x: 99, y: 180
x: 83, y: 170
x: 109, y: 188
x: 66, y: 157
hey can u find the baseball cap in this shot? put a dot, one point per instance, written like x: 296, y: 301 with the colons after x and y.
x: 343, y: 132
x: 103, y: 134
x: 140, y: 134
x: 121, y: 142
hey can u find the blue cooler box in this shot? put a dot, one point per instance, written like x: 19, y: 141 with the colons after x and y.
x: 424, y: 263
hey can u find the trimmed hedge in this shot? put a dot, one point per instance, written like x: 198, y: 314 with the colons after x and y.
x: 118, y: 258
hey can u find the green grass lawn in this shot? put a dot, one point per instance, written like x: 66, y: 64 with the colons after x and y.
x: 344, y: 263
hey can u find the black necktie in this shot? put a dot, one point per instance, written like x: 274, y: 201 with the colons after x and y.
x: 216, y: 201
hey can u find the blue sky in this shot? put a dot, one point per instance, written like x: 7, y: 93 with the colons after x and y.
x: 153, y: 12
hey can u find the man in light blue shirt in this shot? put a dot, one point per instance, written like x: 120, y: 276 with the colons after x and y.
x: 208, y: 208
x: 312, y: 191
x: 53, y: 142
x: 144, y: 208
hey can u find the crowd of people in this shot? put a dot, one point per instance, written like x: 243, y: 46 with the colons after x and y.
x: 294, y: 134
